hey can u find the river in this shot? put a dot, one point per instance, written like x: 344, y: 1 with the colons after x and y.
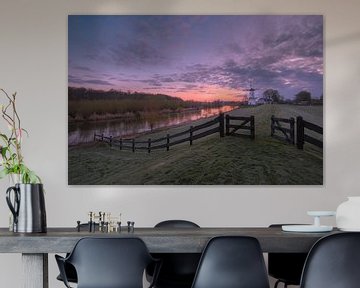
x: 83, y: 132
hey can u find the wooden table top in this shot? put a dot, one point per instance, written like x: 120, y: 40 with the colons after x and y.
x: 158, y: 240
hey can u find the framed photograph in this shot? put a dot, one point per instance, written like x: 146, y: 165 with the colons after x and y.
x: 195, y: 100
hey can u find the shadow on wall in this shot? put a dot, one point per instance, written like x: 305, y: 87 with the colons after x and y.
x: 137, y: 7
x: 345, y: 39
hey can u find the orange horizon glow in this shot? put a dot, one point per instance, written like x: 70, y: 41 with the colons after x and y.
x: 210, y: 93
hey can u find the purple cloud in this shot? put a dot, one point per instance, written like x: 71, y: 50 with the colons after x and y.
x: 183, y: 53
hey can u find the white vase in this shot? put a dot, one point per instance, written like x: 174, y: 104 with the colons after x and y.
x: 348, y: 215
x: 15, y: 179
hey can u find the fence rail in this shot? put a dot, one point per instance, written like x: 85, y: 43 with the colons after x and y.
x: 192, y: 134
x: 301, y: 125
x: 287, y: 133
x: 233, y: 126
x: 248, y: 123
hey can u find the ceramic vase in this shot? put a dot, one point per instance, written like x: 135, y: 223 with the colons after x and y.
x: 27, y: 204
x: 348, y: 214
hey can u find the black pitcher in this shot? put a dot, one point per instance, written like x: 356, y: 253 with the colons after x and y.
x: 28, y: 208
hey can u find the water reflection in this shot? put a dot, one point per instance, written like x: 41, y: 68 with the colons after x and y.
x: 82, y: 132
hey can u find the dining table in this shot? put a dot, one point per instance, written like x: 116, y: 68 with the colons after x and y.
x: 35, y: 247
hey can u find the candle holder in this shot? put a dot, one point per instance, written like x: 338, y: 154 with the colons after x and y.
x: 315, y: 227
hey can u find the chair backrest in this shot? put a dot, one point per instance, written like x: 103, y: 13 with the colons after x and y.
x: 232, y: 262
x: 110, y: 262
x: 286, y: 266
x: 176, y: 224
x: 333, y: 262
x: 178, y: 269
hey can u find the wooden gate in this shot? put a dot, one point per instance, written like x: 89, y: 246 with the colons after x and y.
x: 287, y: 134
x: 246, y: 123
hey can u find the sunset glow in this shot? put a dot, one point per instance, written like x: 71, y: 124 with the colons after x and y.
x: 201, y: 58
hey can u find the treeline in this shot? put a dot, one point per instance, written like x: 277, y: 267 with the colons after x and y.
x: 89, y: 104
x: 79, y: 94
x: 302, y: 98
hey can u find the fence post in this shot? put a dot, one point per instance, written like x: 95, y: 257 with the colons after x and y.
x: 292, y: 130
x: 167, y: 142
x: 272, y: 125
x: 299, y: 133
x: 110, y: 141
x: 102, y: 137
x: 227, y: 125
x: 149, y: 145
x: 221, y: 124
x: 191, y: 135
x: 133, y: 145
x: 252, y: 127
x: 121, y: 143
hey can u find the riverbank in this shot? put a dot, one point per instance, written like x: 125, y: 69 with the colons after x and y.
x: 129, y: 116
x: 83, y: 131
x: 211, y: 160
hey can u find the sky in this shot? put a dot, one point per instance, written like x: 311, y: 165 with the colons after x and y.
x: 201, y: 58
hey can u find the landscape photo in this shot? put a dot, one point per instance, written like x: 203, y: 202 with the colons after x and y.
x: 195, y: 100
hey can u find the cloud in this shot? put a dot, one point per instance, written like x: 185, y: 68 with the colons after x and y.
x: 187, y: 88
x: 302, y: 38
x: 82, y: 68
x: 98, y: 82
x: 151, y: 43
x: 152, y: 82
x: 183, y: 53
x: 136, y: 53
x: 234, y: 47
x: 266, y: 72
x: 76, y: 80
x: 167, y: 79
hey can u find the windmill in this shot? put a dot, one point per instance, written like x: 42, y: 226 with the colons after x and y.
x: 252, y: 100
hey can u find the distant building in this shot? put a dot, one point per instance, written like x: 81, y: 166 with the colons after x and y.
x: 252, y: 100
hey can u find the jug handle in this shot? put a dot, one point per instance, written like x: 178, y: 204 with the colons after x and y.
x: 13, y: 208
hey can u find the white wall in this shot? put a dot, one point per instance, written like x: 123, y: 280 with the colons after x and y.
x: 33, y: 62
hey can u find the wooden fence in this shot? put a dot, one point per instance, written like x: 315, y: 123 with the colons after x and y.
x: 189, y: 135
x: 302, y: 137
x: 248, y: 124
x: 287, y: 134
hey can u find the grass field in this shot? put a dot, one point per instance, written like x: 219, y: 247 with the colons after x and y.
x: 211, y: 160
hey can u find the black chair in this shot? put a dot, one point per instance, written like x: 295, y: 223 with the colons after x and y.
x: 333, y: 262
x: 286, y: 267
x: 178, y: 269
x: 69, y: 269
x: 232, y: 262
x: 108, y: 263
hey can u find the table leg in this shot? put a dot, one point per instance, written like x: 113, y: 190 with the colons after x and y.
x: 35, y: 270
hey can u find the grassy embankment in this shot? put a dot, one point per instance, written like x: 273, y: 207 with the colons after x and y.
x: 211, y: 160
